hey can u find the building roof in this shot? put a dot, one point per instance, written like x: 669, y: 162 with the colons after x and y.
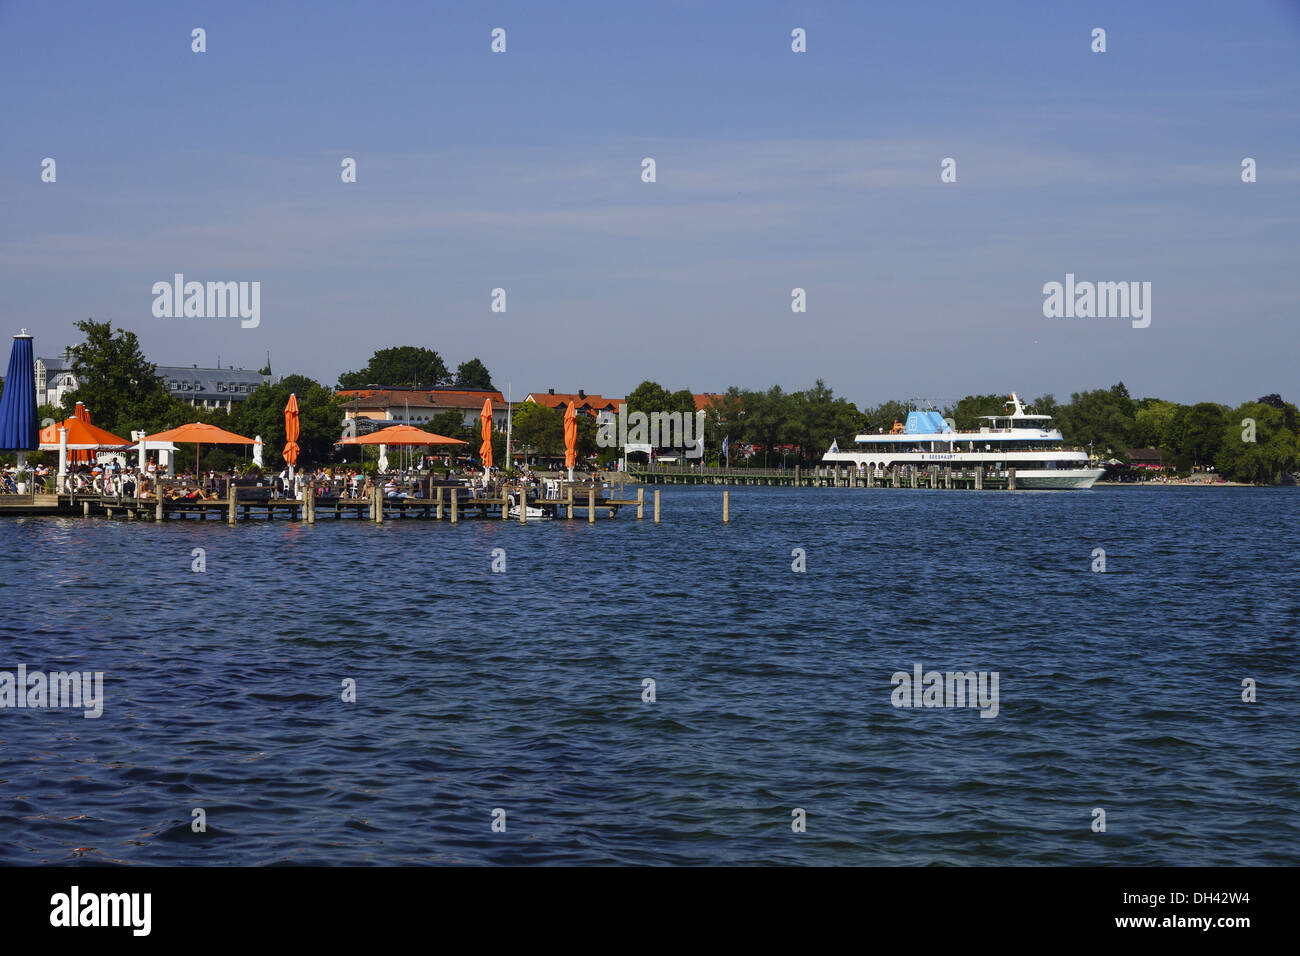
x: 189, y: 380
x: 210, y: 383
x: 1136, y: 455
x: 581, y: 401
x: 448, y: 398
x: 705, y: 399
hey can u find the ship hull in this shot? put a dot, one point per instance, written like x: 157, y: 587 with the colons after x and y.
x: 1057, y: 479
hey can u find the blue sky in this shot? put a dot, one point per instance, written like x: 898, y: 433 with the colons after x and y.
x: 775, y: 170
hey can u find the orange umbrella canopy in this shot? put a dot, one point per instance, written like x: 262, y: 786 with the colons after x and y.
x: 485, y: 450
x: 291, y: 430
x: 570, y: 436
x: 201, y: 433
x: 81, y: 435
x: 401, y: 435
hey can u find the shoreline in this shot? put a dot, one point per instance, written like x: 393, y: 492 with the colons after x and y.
x: 1179, y: 484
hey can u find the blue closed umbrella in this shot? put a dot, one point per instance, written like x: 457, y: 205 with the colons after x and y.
x: 18, y: 430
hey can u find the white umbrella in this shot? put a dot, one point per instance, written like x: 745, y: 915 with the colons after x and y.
x: 257, y: 451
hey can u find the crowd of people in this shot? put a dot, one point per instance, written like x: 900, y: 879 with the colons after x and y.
x: 117, y: 477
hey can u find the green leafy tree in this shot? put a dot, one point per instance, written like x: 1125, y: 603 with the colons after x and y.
x: 1203, y: 429
x: 818, y: 418
x: 452, y: 424
x: 399, y: 367
x: 1152, y: 423
x: 1045, y: 405
x: 882, y: 417
x: 320, y: 420
x: 766, y: 419
x: 966, y: 413
x: 474, y: 374
x: 1274, y: 451
x: 649, y: 397
x: 539, y: 427
x: 1102, y: 417
x: 119, y: 386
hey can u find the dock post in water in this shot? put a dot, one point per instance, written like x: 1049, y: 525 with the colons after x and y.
x: 309, y: 505
x: 1011, y: 479
x: 158, y: 504
x: 440, y: 490
x: 523, y: 503
x: 726, y: 507
x: 455, y: 500
x: 570, y: 518
x: 656, y: 506
x: 379, y: 505
x: 893, y: 475
x: 979, y: 476
x: 947, y: 477
x: 640, y: 504
x: 230, y: 502
x: 591, y: 505
x: 85, y: 508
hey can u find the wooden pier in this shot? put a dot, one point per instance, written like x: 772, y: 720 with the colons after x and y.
x: 450, y: 504
x: 835, y: 476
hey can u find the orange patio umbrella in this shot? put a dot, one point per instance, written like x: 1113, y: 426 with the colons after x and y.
x: 291, y: 431
x: 200, y: 433
x: 82, y: 436
x: 401, y: 435
x: 485, y: 451
x: 80, y: 455
x: 570, y: 438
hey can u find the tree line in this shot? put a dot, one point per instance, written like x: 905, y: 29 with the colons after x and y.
x: 1257, y: 441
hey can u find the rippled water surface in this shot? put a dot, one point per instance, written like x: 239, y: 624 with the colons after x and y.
x: 523, y: 690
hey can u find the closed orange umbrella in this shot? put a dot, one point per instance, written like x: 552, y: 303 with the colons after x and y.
x: 570, y: 438
x: 82, y: 415
x: 485, y: 450
x: 291, y: 430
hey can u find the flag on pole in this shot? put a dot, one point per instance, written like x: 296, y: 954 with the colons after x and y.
x: 724, y: 444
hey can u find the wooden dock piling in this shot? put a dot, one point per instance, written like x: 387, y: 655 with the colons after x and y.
x: 591, y: 505
x: 656, y: 506
x: 640, y: 504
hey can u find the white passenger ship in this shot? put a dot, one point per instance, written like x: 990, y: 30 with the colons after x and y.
x: 1015, y: 439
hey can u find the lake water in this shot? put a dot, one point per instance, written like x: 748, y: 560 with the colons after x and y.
x: 523, y: 690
